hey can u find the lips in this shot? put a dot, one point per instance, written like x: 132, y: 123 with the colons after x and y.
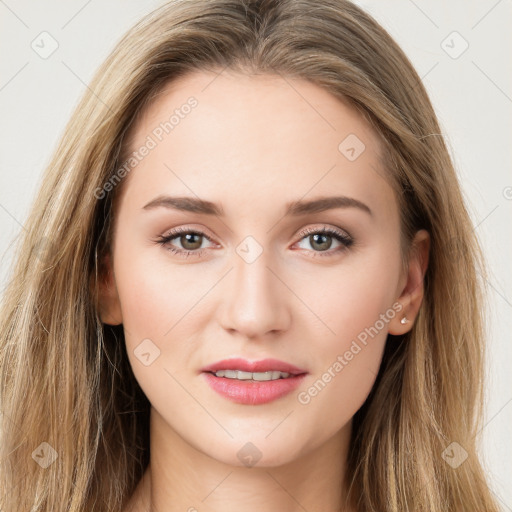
x: 250, y: 392
x: 265, y: 365
x: 253, y: 392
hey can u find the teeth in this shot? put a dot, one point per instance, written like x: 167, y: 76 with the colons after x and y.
x: 259, y: 376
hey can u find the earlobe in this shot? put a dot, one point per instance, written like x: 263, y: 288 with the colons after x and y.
x: 109, y: 306
x: 411, y: 296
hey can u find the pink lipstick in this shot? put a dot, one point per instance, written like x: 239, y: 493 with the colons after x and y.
x: 253, y: 382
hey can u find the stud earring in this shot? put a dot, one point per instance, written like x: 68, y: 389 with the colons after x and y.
x: 404, y: 320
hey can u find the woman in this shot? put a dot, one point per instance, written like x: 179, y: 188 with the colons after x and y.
x: 180, y: 333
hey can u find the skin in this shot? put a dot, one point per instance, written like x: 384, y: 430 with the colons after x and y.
x: 253, y: 144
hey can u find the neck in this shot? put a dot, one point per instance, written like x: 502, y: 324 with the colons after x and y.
x: 182, y: 478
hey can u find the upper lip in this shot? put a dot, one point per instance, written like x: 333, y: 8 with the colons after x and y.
x: 264, y: 365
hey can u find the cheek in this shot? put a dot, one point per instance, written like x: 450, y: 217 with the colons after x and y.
x: 154, y: 293
x: 147, y: 302
x: 346, y: 362
x: 352, y: 298
x: 329, y: 399
x: 163, y: 316
x: 158, y: 339
x: 356, y: 308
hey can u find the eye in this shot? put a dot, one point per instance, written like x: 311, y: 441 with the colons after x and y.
x: 321, y: 240
x: 189, y: 240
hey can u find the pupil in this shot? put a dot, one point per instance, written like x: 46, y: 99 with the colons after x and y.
x: 322, y: 246
x: 188, y: 238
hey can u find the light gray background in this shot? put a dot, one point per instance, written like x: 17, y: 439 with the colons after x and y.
x: 472, y: 94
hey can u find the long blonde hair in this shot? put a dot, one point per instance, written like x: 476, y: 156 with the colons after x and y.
x: 75, y: 423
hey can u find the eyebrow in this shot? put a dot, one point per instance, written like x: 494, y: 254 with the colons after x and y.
x: 294, y: 208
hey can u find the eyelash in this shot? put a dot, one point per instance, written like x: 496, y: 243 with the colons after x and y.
x: 344, y: 239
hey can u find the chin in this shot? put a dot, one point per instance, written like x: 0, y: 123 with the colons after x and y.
x: 263, y: 453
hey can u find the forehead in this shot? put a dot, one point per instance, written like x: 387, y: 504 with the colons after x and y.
x: 229, y: 134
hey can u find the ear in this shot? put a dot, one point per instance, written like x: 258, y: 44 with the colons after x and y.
x: 412, y: 285
x: 108, y: 303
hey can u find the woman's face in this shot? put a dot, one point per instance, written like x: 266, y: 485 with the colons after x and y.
x: 249, y: 157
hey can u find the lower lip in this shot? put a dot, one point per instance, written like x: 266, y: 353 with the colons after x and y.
x: 251, y: 392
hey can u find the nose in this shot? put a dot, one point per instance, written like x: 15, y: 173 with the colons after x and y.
x: 255, y: 300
